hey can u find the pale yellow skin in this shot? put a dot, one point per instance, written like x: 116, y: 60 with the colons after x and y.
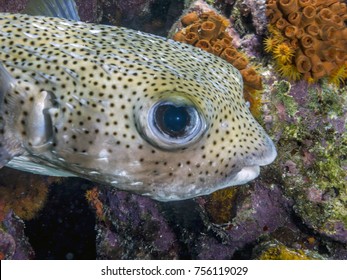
x: 77, y: 98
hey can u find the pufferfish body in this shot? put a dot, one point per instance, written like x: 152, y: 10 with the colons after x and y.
x: 123, y: 108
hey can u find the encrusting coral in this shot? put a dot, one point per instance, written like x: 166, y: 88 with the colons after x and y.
x: 278, y: 251
x: 207, y: 30
x: 24, y: 193
x: 308, y: 39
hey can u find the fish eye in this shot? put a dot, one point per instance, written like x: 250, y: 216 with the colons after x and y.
x: 172, y: 123
x: 175, y: 124
x: 173, y: 120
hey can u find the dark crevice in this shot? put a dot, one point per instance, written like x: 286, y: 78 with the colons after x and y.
x: 65, y: 227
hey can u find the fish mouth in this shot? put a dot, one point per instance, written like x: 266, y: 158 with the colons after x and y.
x: 270, y: 153
x: 246, y: 174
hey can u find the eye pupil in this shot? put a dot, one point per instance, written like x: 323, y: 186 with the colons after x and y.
x: 172, y: 120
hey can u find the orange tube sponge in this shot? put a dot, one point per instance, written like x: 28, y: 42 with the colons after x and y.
x: 306, y: 41
x: 328, y: 54
x: 240, y: 63
x: 327, y: 32
x: 304, y: 3
x: 220, y: 24
x: 191, y: 38
x: 337, y: 21
x: 230, y: 54
x: 316, y: 62
x: 203, y: 44
x: 340, y: 34
x: 329, y: 67
x: 208, y: 30
x: 340, y: 56
x: 290, y: 31
x: 318, y: 74
x: 273, y: 15
x: 312, y: 29
x: 271, y: 4
x: 251, y: 78
x: 179, y: 36
x: 321, y: 30
x: 303, y: 63
x: 294, y: 43
x: 325, y: 3
x: 325, y: 16
x: 205, y: 16
x: 281, y: 23
x: 310, y: 52
x: 226, y: 42
x: 193, y: 27
x: 295, y: 18
x: 338, y: 8
x: 190, y: 18
x: 217, y: 48
x: 288, y: 6
x: 308, y: 15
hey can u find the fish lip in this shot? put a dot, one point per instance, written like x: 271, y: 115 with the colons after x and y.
x: 246, y: 174
x: 266, y: 156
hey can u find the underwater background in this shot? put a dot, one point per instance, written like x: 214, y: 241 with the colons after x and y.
x: 295, y: 209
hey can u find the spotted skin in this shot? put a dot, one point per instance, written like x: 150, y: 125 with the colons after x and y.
x: 80, y: 92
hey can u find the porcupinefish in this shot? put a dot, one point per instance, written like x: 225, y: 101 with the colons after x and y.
x: 123, y: 108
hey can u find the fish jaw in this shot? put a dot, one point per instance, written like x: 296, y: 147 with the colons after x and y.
x: 173, y: 191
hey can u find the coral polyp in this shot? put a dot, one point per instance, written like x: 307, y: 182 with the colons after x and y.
x: 289, y: 70
x: 339, y: 76
x: 269, y: 44
x: 283, y: 53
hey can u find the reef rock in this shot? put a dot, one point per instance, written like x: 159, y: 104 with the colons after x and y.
x: 14, y: 244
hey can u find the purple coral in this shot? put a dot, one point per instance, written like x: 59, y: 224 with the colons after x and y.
x: 13, y: 242
x: 255, y: 8
x: 137, y: 228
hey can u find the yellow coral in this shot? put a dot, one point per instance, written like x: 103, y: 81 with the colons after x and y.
x: 290, y: 71
x: 283, y: 53
x: 255, y: 100
x: 24, y: 193
x: 270, y: 44
x: 339, y: 76
x: 219, y: 205
x: 276, y: 34
x: 281, y: 252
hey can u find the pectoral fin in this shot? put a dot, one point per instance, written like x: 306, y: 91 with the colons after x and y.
x: 53, y: 8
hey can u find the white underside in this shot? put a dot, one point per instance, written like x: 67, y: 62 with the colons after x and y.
x: 25, y: 164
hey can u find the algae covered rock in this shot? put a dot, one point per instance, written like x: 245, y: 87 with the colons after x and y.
x: 274, y: 250
x: 310, y: 123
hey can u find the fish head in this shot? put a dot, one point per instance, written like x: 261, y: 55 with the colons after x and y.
x: 197, y: 139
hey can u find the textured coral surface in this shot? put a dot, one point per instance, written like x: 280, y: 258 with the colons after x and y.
x: 205, y: 29
x: 308, y: 38
x: 24, y: 193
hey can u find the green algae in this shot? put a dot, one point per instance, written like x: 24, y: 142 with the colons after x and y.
x: 275, y: 250
x: 316, y: 149
x: 282, y: 89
